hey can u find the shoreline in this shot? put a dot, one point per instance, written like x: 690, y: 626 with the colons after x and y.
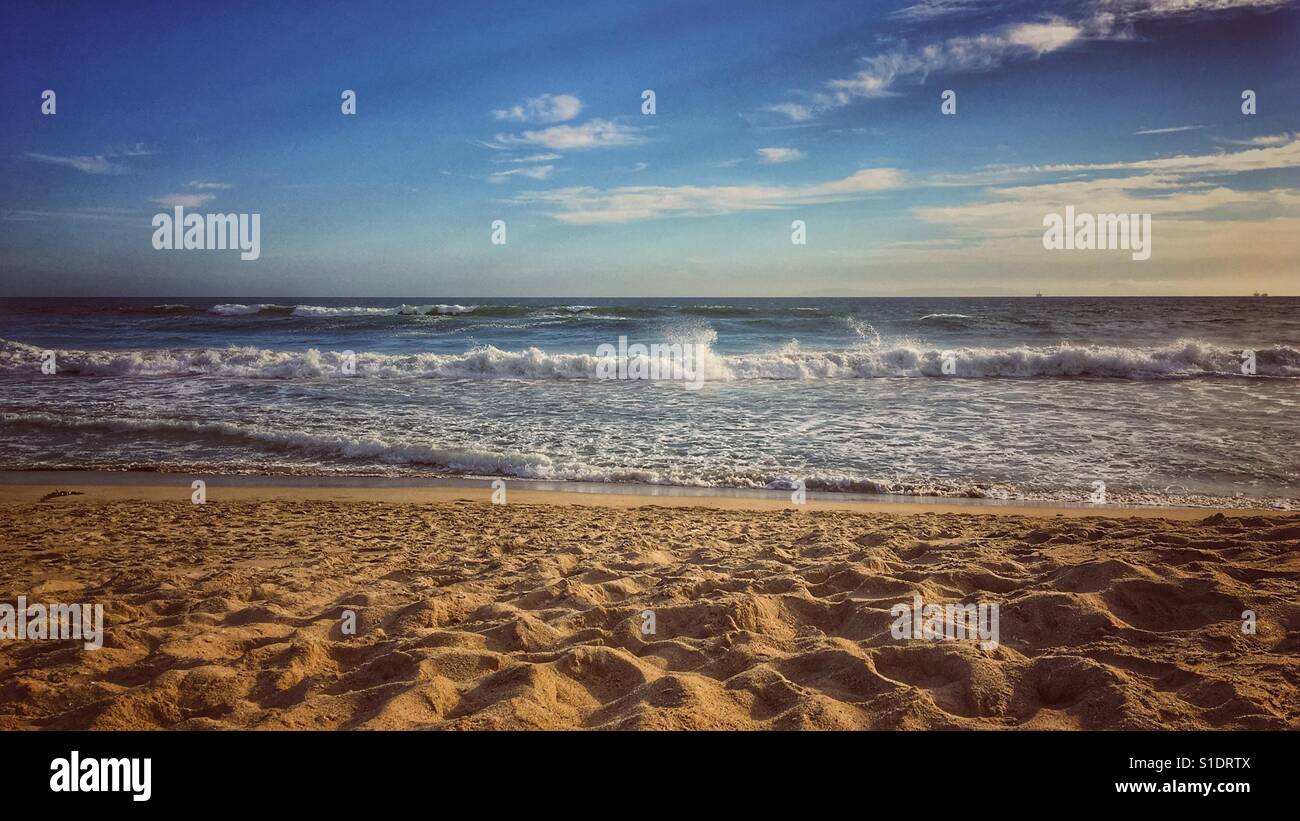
x: 104, y: 486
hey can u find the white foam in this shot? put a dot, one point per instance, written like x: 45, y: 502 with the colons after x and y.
x: 231, y: 309
x: 234, y: 309
x: 1178, y: 360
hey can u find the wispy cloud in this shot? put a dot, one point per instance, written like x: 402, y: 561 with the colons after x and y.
x: 934, y: 9
x: 880, y: 73
x: 591, y: 134
x: 531, y: 158
x: 1019, y: 210
x: 975, y: 53
x: 99, y: 214
x: 1271, y: 156
x: 546, y: 108
x: 1264, y: 153
x: 89, y: 164
x: 587, y: 205
x: 206, y: 185
x: 136, y: 150
x: 1200, y: 214
x: 796, y: 112
x: 774, y: 156
x: 184, y: 200
x: 105, y: 163
x: 532, y: 172
x: 1169, y: 8
x: 1171, y: 130
x: 1262, y: 141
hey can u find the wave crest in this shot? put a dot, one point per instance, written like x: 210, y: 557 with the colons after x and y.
x: 1179, y: 360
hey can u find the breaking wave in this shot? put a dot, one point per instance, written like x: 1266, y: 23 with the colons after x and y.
x: 376, y: 451
x: 1177, y: 360
x: 321, y: 311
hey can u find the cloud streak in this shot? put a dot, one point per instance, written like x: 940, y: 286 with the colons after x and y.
x: 87, y: 164
x: 184, y: 200
x: 591, y: 134
x: 589, y: 206
x: 1172, y: 130
x: 99, y: 164
x: 774, y: 156
x: 532, y: 172
x: 881, y: 73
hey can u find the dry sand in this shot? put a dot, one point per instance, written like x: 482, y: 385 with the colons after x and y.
x: 528, y: 615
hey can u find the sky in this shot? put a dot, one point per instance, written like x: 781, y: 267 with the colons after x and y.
x: 829, y: 113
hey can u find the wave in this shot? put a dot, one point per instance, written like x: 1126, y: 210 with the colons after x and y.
x: 1178, y: 360
x: 379, y: 451
x: 165, y: 309
x: 478, y: 311
x: 332, y: 453
x: 720, y: 311
x: 368, y: 448
x: 578, y: 312
x: 323, y: 311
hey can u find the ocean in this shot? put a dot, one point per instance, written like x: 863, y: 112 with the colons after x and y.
x: 1041, y: 399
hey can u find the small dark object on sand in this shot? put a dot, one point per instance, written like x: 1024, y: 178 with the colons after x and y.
x: 56, y: 494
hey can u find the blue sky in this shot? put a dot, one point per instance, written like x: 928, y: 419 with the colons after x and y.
x: 825, y: 112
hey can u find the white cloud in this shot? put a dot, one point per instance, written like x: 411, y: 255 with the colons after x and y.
x: 1018, y: 211
x: 591, y: 134
x: 1263, y: 141
x: 773, y: 156
x: 957, y: 54
x: 1265, y: 153
x: 934, y: 9
x: 1164, y: 8
x: 533, y: 158
x: 137, y: 150
x: 1171, y: 130
x: 797, y: 112
x: 184, y: 200
x: 880, y: 73
x: 1101, y: 20
x: 547, y: 108
x: 587, y: 205
x: 1251, y: 159
x: 96, y: 164
x: 1200, y: 223
x: 205, y: 185
x: 98, y: 213
x: 1043, y: 38
x: 532, y: 172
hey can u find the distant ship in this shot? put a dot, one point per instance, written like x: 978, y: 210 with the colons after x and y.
x: 1257, y: 293
x: 1040, y: 293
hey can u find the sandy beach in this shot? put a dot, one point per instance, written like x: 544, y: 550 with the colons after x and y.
x: 470, y: 615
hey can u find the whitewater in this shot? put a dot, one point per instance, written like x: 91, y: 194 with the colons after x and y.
x: 1042, y: 397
